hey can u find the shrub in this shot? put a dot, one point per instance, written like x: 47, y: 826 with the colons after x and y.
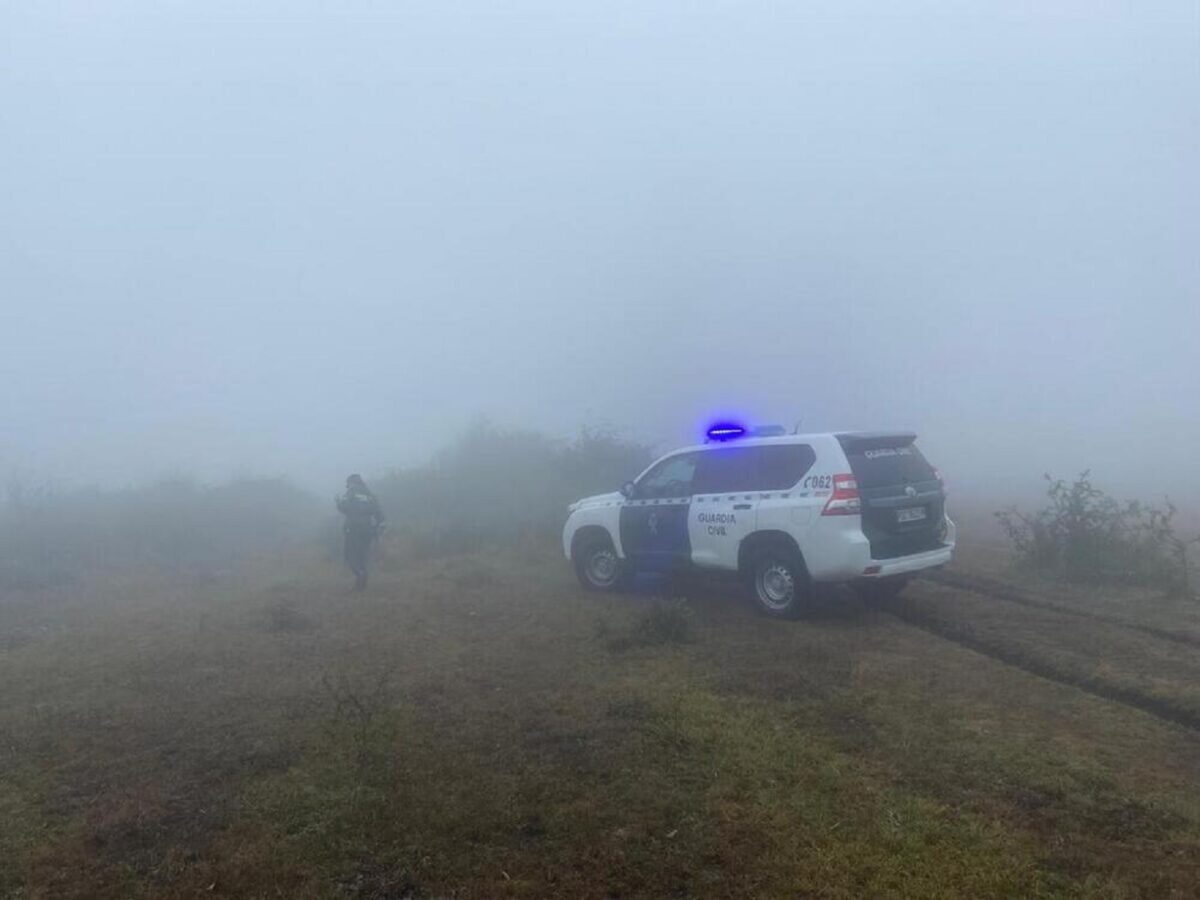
x: 667, y: 622
x: 1084, y: 534
x: 48, y: 536
x: 492, y: 487
x: 664, y: 621
x: 502, y: 487
x: 282, y: 616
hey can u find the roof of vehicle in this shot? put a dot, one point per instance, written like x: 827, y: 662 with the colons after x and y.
x: 846, y: 438
x: 876, y: 435
x: 759, y: 441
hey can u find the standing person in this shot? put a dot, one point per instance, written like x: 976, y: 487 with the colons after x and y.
x: 364, y: 523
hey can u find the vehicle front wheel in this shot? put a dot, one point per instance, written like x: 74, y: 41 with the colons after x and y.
x: 597, y: 565
x: 779, y: 584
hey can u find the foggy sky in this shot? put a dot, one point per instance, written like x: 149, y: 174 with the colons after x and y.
x: 309, y: 238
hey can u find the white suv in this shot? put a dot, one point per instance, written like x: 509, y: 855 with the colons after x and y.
x: 783, y: 511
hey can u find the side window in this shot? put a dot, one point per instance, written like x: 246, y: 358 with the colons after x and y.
x: 670, y: 478
x: 727, y: 469
x: 782, y: 466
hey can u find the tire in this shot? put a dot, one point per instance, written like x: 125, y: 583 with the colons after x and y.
x: 779, y: 583
x: 597, y: 565
x: 881, y: 590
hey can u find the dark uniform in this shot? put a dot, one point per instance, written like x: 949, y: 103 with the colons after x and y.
x: 364, y: 522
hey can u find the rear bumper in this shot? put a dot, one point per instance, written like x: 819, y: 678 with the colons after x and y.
x: 904, y: 565
x: 840, y: 552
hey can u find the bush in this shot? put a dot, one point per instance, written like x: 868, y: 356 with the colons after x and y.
x: 1086, y: 535
x: 664, y: 621
x: 492, y: 487
x: 282, y: 615
x: 49, y: 536
x: 501, y: 487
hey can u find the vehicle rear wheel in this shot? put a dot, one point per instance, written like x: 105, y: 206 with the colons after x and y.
x: 597, y: 565
x: 779, y: 584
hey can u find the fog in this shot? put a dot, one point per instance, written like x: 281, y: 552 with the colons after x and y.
x: 497, y: 257
x: 305, y: 239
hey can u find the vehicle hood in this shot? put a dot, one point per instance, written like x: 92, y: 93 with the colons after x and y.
x: 597, y: 500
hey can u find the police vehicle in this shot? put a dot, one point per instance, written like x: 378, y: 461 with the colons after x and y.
x: 784, y: 511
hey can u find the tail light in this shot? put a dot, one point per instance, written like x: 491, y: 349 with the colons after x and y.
x: 937, y: 473
x: 845, y: 501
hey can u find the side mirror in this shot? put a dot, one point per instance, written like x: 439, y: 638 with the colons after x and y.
x: 628, y: 489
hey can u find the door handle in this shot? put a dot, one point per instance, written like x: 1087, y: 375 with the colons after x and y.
x: 741, y: 506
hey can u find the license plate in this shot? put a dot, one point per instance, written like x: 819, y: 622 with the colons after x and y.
x: 912, y: 514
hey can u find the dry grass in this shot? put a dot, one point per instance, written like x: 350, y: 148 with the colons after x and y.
x: 477, y: 727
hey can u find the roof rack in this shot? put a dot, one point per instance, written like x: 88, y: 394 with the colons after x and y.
x: 768, y: 431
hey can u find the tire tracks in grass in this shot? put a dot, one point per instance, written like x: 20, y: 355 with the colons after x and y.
x: 1159, y: 707
x: 998, y: 590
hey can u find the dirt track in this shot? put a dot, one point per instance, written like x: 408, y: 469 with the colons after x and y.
x: 909, y: 609
x: 999, y: 590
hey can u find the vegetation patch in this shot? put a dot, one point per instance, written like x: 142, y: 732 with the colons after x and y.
x: 662, y: 621
x: 1084, y: 534
x: 414, y: 746
x: 283, y: 616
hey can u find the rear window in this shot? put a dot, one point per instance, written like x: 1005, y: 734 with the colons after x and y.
x: 782, y: 467
x: 880, y: 466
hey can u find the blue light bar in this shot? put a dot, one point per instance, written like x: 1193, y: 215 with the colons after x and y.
x: 725, y: 431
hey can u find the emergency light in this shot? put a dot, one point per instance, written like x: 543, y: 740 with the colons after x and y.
x: 725, y: 431
x: 729, y: 431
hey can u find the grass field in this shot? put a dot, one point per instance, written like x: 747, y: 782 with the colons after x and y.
x: 477, y: 727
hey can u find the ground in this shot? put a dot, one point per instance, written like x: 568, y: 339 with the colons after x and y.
x: 476, y: 726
